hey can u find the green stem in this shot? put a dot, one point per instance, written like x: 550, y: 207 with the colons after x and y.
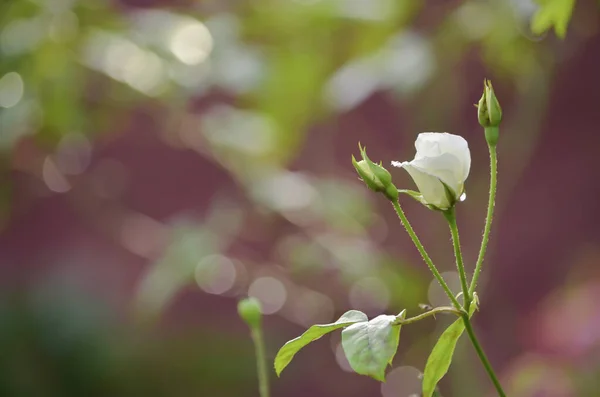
x: 482, y: 356
x: 450, y: 216
x: 488, y: 219
x: 424, y: 254
x: 432, y: 312
x: 261, y: 362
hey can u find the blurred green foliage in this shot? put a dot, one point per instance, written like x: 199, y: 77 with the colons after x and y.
x: 63, y: 343
x: 254, y: 88
x: 553, y: 14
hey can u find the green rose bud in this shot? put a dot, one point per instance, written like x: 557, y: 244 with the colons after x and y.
x: 489, y: 113
x: 375, y: 176
x: 250, y: 311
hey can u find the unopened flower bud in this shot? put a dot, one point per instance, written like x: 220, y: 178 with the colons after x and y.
x: 375, y: 176
x: 250, y: 311
x: 489, y: 113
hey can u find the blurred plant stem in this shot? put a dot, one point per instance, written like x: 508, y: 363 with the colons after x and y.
x: 424, y: 254
x: 250, y: 311
x: 261, y: 361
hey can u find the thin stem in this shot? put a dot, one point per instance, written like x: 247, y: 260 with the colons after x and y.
x: 488, y: 219
x: 482, y: 356
x: 450, y: 216
x: 432, y: 312
x: 261, y: 362
x: 424, y: 254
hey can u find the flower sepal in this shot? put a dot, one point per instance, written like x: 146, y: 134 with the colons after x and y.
x: 419, y: 198
x: 452, y: 197
x: 414, y: 194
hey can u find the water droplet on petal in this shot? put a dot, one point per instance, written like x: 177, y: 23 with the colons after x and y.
x: 463, y: 197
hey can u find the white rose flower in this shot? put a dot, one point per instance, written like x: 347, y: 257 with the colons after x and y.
x: 441, y: 159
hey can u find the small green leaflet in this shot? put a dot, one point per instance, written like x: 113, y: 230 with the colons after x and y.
x: 287, y: 351
x: 370, y: 346
x: 553, y: 13
x: 441, y: 356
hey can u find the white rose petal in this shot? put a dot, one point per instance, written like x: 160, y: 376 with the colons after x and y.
x: 441, y: 159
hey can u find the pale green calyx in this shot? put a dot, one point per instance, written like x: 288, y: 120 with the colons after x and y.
x: 374, y: 175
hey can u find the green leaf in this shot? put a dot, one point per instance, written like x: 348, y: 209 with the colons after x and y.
x: 553, y: 13
x: 289, y: 350
x: 441, y: 356
x: 371, y: 345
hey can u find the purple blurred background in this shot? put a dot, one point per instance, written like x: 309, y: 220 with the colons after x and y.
x: 164, y: 159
